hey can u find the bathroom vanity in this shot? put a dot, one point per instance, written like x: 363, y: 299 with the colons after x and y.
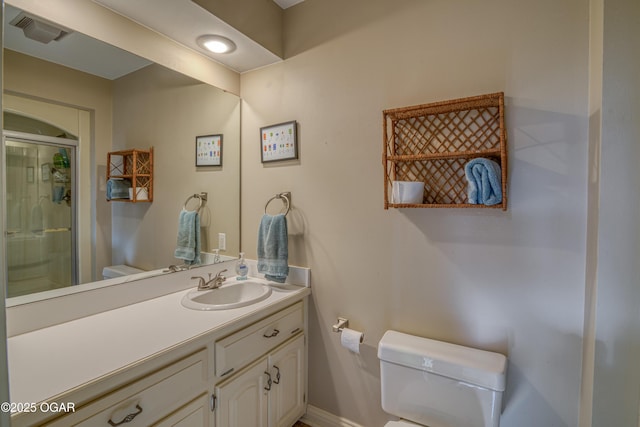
x: 159, y: 363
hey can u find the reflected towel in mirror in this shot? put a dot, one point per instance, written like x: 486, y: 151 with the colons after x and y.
x: 273, y: 249
x: 118, y: 188
x: 188, y: 237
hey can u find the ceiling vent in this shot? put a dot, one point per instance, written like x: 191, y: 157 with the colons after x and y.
x: 37, y: 29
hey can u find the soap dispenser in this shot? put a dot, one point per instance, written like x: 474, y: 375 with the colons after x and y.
x: 241, y: 268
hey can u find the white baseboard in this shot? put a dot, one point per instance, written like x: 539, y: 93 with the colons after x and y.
x: 316, y: 417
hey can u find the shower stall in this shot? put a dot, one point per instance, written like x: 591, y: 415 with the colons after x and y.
x: 40, y: 214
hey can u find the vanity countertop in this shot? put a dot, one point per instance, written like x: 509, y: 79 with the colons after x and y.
x: 51, y: 361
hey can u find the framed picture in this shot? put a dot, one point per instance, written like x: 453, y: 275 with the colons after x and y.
x: 209, y: 150
x: 279, y: 142
x: 30, y: 174
x: 45, y: 171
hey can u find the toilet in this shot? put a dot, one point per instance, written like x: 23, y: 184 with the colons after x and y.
x: 113, y: 271
x: 437, y: 384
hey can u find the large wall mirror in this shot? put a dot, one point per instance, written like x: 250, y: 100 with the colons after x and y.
x: 66, y: 107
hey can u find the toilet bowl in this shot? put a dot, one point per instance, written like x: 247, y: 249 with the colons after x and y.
x: 438, y: 384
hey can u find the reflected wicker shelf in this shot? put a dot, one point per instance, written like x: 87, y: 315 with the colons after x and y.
x: 431, y: 143
x: 136, y: 166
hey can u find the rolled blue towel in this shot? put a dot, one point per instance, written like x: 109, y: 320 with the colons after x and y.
x: 188, y: 247
x: 485, y: 182
x: 273, y: 248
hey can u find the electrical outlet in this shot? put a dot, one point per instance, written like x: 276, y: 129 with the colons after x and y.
x: 222, y: 241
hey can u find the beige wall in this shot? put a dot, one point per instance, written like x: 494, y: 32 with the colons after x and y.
x: 160, y: 108
x: 30, y: 77
x: 511, y: 282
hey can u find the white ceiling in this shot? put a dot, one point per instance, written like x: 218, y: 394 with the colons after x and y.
x: 180, y: 20
x: 75, y: 50
x: 287, y: 3
x: 183, y: 21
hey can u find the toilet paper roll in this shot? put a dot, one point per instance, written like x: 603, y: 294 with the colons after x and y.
x: 351, y: 340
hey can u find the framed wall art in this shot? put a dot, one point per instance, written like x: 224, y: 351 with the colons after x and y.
x: 279, y: 142
x: 209, y: 150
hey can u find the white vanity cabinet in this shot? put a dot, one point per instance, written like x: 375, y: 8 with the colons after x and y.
x: 268, y: 393
x: 265, y: 363
x: 246, y: 370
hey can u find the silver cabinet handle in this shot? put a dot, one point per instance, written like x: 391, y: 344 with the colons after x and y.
x: 277, y: 380
x: 273, y: 334
x: 128, y: 418
x: 268, y: 386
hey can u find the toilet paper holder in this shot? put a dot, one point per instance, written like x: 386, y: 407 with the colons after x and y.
x: 342, y: 323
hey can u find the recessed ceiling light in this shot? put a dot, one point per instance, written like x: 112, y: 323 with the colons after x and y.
x: 216, y: 44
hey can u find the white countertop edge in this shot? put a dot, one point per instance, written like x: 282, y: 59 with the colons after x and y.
x: 53, y: 361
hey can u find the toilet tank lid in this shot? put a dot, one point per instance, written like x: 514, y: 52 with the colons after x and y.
x: 478, y: 367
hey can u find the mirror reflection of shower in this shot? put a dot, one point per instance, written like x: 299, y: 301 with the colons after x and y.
x: 40, y: 190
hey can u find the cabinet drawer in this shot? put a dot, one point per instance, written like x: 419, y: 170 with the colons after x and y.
x: 241, y: 348
x: 146, y: 400
x: 196, y: 413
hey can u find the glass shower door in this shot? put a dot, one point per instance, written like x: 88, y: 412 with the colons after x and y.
x: 40, y: 213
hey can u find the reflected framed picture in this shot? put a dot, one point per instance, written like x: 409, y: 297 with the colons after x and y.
x: 30, y: 174
x: 45, y: 171
x: 209, y: 150
x: 279, y: 142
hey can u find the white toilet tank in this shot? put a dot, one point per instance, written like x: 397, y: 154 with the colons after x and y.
x: 438, y: 384
x: 113, y: 271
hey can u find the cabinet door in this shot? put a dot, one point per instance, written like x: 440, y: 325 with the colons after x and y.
x: 242, y: 401
x: 287, y: 395
x: 196, y: 413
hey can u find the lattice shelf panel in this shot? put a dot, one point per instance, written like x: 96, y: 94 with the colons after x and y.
x: 432, y: 143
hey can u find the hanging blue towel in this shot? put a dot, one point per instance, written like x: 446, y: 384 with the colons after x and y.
x: 273, y: 248
x: 188, y: 237
x: 484, y: 177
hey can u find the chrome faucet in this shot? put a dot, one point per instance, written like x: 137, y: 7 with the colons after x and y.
x: 213, y: 283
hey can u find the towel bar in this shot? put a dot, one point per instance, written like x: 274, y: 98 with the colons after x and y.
x: 201, y: 197
x: 287, y: 199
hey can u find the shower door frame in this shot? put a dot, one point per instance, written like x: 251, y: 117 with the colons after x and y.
x: 54, y: 142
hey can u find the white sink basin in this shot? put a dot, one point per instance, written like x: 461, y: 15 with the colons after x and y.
x: 232, y: 295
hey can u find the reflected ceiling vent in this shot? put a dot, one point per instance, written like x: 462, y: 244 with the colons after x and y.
x: 38, y: 29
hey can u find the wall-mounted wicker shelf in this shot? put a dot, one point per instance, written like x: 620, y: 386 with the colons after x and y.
x: 431, y: 143
x: 136, y: 166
